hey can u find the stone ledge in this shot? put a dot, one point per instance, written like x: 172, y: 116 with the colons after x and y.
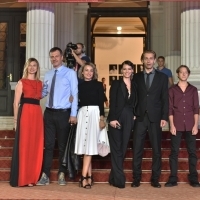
x: 6, y: 123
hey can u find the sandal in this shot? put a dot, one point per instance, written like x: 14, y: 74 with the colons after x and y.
x: 92, y: 180
x: 87, y: 186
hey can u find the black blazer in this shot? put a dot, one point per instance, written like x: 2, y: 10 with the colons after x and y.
x: 154, y: 101
x: 118, y: 95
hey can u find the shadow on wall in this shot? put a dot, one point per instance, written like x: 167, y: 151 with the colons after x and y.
x: 109, y: 43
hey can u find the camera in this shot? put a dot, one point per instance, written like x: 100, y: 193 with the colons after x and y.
x: 71, y: 62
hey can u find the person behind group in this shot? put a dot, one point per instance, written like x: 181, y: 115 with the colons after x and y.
x: 103, y: 80
x: 183, y: 118
x: 80, y: 56
x: 59, y: 84
x: 161, y: 67
x: 123, y: 98
x: 151, y: 115
x: 28, y: 120
x: 90, y: 120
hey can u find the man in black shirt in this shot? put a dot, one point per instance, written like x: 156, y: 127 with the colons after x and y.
x: 80, y: 56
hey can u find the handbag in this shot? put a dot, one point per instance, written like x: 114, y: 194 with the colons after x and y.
x: 103, y: 145
x: 71, y: 160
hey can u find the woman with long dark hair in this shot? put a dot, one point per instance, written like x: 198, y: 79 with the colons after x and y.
x: 121, y: 119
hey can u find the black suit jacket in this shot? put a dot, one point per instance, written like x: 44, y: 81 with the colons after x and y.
x: 118, y: 99
x: 154, y: 101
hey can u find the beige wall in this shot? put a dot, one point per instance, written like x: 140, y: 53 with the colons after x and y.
x: 115, y: 50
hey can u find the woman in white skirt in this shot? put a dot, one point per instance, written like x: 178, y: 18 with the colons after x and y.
x: 90, y: 120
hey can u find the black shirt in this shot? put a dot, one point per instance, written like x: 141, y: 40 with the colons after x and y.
x: 91, y: 94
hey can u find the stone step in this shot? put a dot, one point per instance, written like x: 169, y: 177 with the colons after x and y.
x: 102, y: 176
x: 11, y: 134
x: 105, y: 163
x: 7, y: 152
x: 9, y: 142
x: 7, y: 134
x: 101, y: 166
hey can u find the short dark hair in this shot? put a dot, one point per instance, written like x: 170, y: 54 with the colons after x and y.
x: 183, y: 66
x: 82, y: 45
x: 56, y: 49
x: 102, y: 79
x: 128, y: 62
x: 161, y: 57
x: 148, y: 51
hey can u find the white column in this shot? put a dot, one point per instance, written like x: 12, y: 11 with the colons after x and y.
x: 157, y: 27
x: 80, y: 22
x: 40, y: 33
x: 64, y: 24
x: 190, y: 39
x: 172, y: 11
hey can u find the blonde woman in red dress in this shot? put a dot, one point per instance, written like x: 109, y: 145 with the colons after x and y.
x: 28, y: 119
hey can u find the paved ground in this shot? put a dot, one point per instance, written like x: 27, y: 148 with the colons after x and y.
x: 100, y: 191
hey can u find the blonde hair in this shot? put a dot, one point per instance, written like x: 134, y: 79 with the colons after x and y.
x: 27, y: 63
x: 95, y: 74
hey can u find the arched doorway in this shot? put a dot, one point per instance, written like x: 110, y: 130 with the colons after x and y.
x: 109, y: 47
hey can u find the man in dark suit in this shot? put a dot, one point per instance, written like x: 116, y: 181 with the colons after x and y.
x: 151, y: 116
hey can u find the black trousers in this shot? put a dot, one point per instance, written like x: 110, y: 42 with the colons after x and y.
x: 173, y: 158
x: 139, y: 134
x: 118, y: 140
x: 56, y: 126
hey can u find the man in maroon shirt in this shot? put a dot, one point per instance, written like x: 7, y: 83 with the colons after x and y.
x: 183, y: 118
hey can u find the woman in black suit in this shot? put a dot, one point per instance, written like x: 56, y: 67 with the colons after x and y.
x: 121, y: 119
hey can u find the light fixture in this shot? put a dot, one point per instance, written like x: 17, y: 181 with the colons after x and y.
x: 119, y: 28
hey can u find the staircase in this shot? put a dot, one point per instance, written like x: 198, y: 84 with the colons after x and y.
x: 101, y: 166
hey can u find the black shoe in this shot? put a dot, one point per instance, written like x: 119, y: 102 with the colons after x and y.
x: 155, y: 184
x: 110, y: 182
x: 170, y: 184
x: 86, y: 186
x: 118, y: 186
x: 135, y: 183
x: 91, y: 182
x: 195, y: 184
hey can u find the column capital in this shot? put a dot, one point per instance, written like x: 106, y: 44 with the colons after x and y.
x: 81, y: 8
x: 41, y: 6
x: 190, y: 35
x: 156, y: 8
x: 190, y: 5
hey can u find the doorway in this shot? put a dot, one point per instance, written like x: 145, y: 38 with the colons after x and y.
x: 12, y: 54
x: 117, y: 34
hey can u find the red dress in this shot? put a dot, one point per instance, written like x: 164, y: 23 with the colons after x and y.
x: 29, y: 138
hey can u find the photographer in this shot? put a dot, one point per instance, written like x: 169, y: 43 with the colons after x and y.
x: 75, y: 56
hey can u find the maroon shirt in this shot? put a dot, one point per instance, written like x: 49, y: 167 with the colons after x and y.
x: 183, y: 106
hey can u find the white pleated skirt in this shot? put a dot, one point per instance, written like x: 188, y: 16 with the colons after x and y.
x: 87, y: 132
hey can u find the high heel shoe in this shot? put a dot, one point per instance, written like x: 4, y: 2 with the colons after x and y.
x: 87, y: 186
x: 92, y: 180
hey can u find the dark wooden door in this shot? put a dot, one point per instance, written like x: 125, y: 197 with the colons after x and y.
x: 12, y: 54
